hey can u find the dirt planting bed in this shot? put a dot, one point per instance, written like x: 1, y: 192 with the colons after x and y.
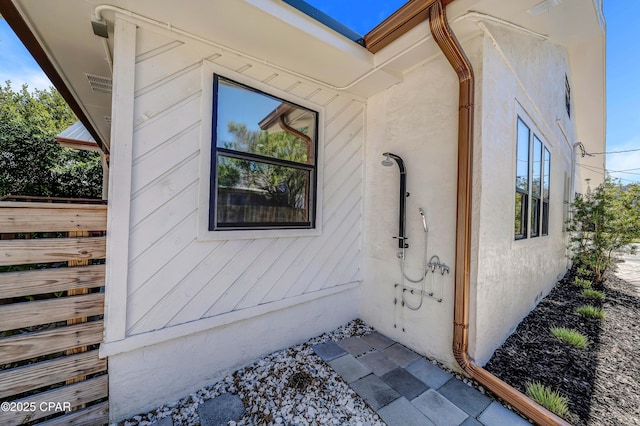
x: 602, y: 380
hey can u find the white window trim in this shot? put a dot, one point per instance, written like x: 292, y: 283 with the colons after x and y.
x: 206, y: 108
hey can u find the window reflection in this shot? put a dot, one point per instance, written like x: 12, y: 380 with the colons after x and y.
x: 264, y: 170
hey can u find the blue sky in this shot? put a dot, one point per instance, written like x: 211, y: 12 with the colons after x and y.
x: 623, y: 56
x: 623, y: 94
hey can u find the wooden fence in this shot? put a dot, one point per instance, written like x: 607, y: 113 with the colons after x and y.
x: 51, y: 314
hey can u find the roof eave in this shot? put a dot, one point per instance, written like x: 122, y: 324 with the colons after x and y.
x: 399, y: 23
x: 19, y: 26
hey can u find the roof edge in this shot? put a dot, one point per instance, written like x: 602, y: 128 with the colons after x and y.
x: 400, y: 22
x: 19, y: 26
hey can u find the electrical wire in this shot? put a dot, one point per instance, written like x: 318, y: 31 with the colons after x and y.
x: 598, y: 171
x: 615, y: 152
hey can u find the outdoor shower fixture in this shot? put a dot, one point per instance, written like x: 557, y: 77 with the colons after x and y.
x: 431, y: 265
x: 403, y: 200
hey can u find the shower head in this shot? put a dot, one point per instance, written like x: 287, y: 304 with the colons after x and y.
x: 387, y: 161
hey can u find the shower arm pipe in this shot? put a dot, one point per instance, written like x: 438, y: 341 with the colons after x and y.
x: 452, y: 50
x: 402, y: 217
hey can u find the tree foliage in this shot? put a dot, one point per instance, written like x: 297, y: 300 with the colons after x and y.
x: 604, y: 223
x: 31, y: 161
x: 285, y: 185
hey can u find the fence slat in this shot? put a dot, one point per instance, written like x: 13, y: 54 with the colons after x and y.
x: 34, y: 376
x: 39, y: 343
x: 20, y: 252
x: 26, y: 314
x: 95, y: 415
x: 40, y: 281
x: 39, y: 217
x: 76, y: 394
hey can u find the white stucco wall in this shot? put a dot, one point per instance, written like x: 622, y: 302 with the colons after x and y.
x: 522, y: 75
x: 185, y: 306
x: 516, y: 73
x: 417, y: 120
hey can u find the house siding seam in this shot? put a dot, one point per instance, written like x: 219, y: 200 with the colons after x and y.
x: 174, y: 277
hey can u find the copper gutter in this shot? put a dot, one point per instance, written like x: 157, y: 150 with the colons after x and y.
x: 452, y: 50
x: 399, y: 23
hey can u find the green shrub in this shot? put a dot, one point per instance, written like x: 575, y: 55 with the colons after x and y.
x: 583, y: 272
x: 604, y: 223
x: 548, y: 398
x: 593, y: 294
x: 590, y: 311
x: 570, y: 336
x: 581, y: 282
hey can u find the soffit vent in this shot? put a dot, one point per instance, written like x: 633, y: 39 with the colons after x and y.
x: 99, y: 84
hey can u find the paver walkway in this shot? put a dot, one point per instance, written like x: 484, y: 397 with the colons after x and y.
x: 629, y: 270
x: 406, y: 389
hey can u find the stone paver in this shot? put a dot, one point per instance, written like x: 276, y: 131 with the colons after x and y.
x: 349, y: 368
x: 167, y: 421
x: 354, y: 346
x: 378, y: 363
x: 400, y: 355
x: 405, y: 383
x: 377, y: 341
x: 471, y: 421
x: 329, y: 351
x: 497, y: 415
x: 403, y: 413
x: 376, y: 392
x: 406, y: 389
x: 439, y: 409
x: 429, y: 374
x: 465, y: 397
x: 220, y: 410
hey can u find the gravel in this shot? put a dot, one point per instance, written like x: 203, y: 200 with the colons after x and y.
x: 291, y: 386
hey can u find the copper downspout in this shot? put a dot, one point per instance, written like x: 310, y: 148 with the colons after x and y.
x: 297, y: 133
x: 452, y: 50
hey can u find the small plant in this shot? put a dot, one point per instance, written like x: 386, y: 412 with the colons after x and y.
x: 583, y: 272
x: 548, y: 398
x: 570, y: 336
x: 590, y: 311
x: 593, y: 294
x: 581, y: 282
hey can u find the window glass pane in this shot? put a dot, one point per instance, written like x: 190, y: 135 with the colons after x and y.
x: 535, y: 217
x: 520, y: 215
x: 251, y: 192
x: 522, y: 155
x: 253, y: 122
x: 547, y: 173
x: 545, y: 218
x: 536, y: 170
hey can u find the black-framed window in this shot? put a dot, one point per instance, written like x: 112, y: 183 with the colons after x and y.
x: 533, y: 170
x: 522, y: 179
x: 263, y: 160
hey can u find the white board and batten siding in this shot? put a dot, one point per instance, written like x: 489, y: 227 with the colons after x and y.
x: 180, y: 279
